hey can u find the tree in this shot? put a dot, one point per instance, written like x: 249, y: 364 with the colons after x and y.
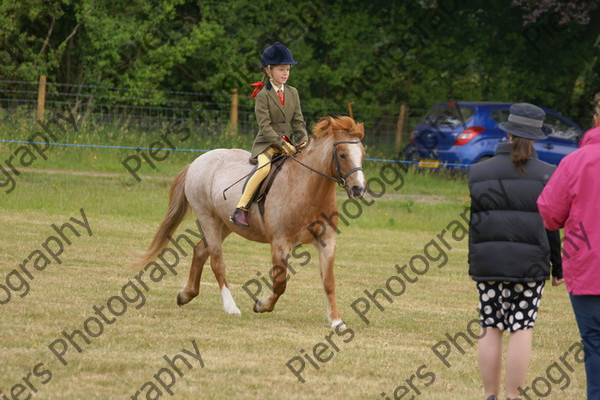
x: 378, y: 54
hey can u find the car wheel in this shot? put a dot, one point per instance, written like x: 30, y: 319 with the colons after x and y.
x: 412, y: 153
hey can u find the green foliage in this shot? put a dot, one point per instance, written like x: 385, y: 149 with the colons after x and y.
x: 379, y: 53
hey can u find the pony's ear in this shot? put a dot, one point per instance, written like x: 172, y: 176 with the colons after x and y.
x: 323, y: 126
x: 360, y: 130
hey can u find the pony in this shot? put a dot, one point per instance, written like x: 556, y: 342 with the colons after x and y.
x: 301, y: 199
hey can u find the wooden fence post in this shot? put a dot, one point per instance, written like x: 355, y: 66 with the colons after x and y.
x: 41, y: 98
x: 233, y: 120
x: 350, y: 113
x: 400, y: 127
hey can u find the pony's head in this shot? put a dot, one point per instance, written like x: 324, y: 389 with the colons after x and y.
x: 348, y: 152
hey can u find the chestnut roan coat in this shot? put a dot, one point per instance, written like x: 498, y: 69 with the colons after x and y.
x: 295, y: 204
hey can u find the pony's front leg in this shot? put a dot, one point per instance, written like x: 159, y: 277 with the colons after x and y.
x: 326, y: 260
x: 279, y: 277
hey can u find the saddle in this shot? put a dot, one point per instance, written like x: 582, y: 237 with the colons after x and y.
x: 261, y: 193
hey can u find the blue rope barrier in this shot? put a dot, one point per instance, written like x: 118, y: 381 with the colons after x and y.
x: 95, y: 145
x: 204, y: 151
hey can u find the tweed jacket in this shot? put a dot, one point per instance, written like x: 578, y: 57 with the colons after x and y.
x: 275, y: 120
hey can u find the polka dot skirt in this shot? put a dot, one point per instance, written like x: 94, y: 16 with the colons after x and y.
x: 509, y: 305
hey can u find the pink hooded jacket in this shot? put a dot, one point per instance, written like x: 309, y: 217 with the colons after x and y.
x: 571, y: 200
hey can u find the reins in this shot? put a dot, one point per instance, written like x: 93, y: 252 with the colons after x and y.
x: 314, y: 170
x: 340, y: 181
x: 342, y: 177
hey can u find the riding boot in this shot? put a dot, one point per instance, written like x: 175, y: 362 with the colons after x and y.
x: 240, y: 217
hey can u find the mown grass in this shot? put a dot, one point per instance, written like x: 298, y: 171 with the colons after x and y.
x: 245, y: 357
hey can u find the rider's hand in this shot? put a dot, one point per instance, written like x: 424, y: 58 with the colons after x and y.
x: 288, y: 149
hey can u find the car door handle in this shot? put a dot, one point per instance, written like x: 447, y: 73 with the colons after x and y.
x: 548, y: 146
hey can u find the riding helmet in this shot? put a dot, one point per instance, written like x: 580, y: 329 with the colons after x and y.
x: 277, y: 54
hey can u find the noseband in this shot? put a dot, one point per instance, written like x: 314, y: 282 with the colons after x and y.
x: 341, y: 180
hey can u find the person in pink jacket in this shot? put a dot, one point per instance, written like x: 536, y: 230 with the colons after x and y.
x: 571, y: 200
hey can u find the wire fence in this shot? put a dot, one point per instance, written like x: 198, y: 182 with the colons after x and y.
x: 204, y: 112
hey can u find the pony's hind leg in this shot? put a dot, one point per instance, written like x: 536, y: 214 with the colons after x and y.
x: 218, y: 267
x: 192, y: 287
x: 215, y: 233
x: 211, y: 247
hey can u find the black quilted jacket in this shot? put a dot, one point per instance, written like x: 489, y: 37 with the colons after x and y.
x: 507, y: 238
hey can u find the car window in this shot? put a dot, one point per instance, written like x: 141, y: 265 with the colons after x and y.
x: 500, y: 115
x: 448, y: 115
x: 561, y: 129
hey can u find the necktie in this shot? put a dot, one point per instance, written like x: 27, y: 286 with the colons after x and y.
x: 280, y: 95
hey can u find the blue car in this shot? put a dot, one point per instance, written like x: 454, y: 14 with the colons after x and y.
x: 463, y: 133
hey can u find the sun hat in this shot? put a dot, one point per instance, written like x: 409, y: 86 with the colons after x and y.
x: 526, y: 121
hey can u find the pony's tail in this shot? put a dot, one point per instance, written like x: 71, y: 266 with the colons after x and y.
x: 178, y: 208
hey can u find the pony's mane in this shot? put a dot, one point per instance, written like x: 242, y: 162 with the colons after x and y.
x: 336, y: 125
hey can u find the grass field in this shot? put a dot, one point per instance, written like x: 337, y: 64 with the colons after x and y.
x: 241, y: 357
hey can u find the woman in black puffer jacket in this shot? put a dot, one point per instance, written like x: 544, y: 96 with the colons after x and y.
x: 509, y: 249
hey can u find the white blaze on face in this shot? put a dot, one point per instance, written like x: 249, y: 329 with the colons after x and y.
x: 355, y: 156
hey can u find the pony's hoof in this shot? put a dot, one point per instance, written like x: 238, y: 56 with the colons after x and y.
x: 256, y: 307
x: 233, y: 310
x: 337, y: 322
x: 183, y: 299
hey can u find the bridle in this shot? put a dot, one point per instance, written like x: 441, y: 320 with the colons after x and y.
x: 341, y: 180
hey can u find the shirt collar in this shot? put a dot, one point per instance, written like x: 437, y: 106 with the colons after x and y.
x: 282, y: 87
